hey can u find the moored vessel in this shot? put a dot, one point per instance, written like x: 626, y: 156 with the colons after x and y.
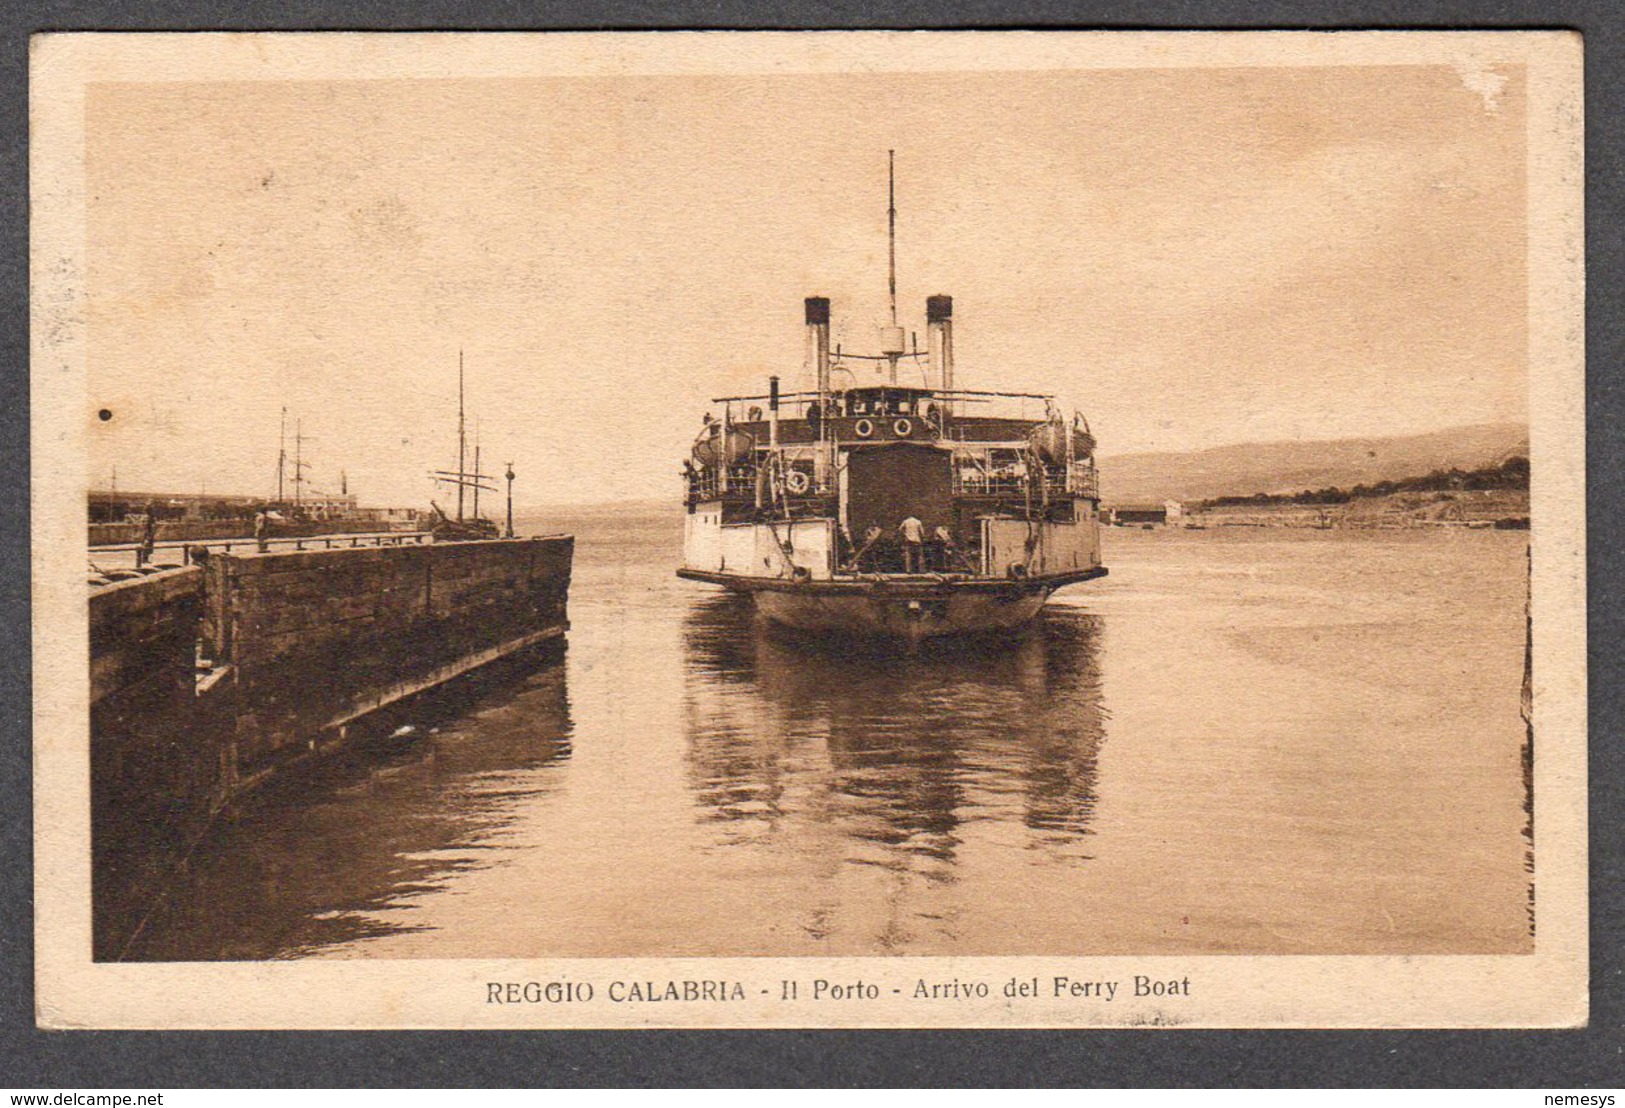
x: 872, y: 505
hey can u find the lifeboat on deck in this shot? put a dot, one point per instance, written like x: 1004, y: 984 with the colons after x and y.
x: 716, y: 441
x: 1050, y: 442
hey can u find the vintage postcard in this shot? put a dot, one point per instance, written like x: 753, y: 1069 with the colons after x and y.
x: 809, y: 530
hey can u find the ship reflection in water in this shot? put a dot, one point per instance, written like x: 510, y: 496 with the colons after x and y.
x: 861, y: 753
x: 899, y: 748
x: 342, y: 853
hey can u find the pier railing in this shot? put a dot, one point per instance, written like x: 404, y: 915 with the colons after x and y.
x: 291, y: 542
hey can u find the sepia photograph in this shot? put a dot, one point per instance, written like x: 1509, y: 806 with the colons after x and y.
x: 809, y: 529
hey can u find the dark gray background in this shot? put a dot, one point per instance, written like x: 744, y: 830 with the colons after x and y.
x: 30, y: 1059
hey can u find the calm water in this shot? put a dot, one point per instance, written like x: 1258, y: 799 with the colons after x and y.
x: 1240, y: 741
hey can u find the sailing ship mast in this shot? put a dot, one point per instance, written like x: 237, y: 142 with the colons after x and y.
x: 299, y: 464
x: 461, y: 477
x: 281, y: 452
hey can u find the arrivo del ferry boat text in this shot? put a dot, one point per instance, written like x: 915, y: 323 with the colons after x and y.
x: 822, y: 989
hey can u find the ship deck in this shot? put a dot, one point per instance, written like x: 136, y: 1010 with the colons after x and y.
x: 900, y: 585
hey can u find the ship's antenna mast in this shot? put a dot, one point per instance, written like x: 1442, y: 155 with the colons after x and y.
x: 462, y: 467
x: 891, y: 232
x: 891, y: 346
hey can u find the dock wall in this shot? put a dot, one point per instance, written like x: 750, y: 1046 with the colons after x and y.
x: 311, y: 640
x: 152, y: 779
x: 143, y: 649
x: 208, y: 680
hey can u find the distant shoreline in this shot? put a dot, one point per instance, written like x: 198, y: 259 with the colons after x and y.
x: 1495, y: 509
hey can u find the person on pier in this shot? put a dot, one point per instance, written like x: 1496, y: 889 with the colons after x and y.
x: 149, y: 536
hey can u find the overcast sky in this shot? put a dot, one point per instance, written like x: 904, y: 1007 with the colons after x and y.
x: 1194, y: 257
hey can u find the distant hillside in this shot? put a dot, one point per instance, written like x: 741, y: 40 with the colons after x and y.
x: 619, y: 509
x: 1286, y: 467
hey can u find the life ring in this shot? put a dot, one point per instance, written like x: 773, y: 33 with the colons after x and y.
x: 863, y: 428
x: 797, y: 481
x: 902, y: 428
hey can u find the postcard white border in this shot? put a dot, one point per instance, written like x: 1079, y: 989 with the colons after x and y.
x: 1545, y: 989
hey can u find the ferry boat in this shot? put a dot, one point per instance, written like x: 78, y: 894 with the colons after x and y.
x: 874, y: 505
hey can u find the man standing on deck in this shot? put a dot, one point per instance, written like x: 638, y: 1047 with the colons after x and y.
x: 262, y: 528
x: 913, y: 532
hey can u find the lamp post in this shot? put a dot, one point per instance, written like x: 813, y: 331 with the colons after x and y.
x: 509, y: 534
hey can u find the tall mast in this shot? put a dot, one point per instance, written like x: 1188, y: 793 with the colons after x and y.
x: 461, y: 477
x: 891, y: 341
x: 461, y: 440
x: 298, y: 458
x: 281, y: 452
x: 891, y: 231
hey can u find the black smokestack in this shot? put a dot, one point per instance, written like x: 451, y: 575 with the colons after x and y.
x: 818, y: 341
x: 939, y: 337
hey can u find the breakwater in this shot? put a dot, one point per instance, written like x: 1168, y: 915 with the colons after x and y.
x: 211, y: 679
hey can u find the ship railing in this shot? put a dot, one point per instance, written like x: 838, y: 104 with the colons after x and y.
x: 915, y: 398
x: 702, y: 485
x: 980, y: 483
x: 706, y: 484
x: 1083, y: 480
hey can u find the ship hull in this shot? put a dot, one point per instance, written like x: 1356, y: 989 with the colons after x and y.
x: 909, y: 608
